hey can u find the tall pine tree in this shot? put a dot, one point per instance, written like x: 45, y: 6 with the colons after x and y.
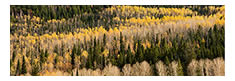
x: 24, y: 69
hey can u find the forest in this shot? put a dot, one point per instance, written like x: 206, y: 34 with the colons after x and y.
x: 117, y: 40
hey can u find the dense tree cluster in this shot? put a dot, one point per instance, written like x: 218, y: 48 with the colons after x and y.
x: 117, y: 40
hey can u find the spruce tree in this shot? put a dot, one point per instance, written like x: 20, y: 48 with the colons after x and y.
x: 46, y: 55
x: 35, y: 69
x: 129, y: 57
x: 122, y: 46
x: 42, y: 58
x: 18, y: 68
x: 89, y: 62
x: 180, y: 69
x: 24, y: 69
x: 78, y: 50
x: 73, y: 57
x: 167, y: 61
x: 104, y: 39
x: 14, y: 55
x: 139, y: 54
x: 77, y: 73
x: 156, y: 54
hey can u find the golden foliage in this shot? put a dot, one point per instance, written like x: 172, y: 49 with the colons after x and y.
x: 85, y: 54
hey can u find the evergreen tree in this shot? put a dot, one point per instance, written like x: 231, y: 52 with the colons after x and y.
x: 18, y: 68
x: 129, y: 58
x: 24, y: 69
x: 73, y: 57
x: 104, y: 39
x: 156, y: 54
x: 78, y: 50
x: 46, y: 55
x: 167, y: 61
x: 14, y: 55
x: 122, y: 46
x: 121, y: 60
x: 139, y: 54
x: 35, y: 69
x: 180, y: 69
x: 77, y: 73
x: 89, y: 63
